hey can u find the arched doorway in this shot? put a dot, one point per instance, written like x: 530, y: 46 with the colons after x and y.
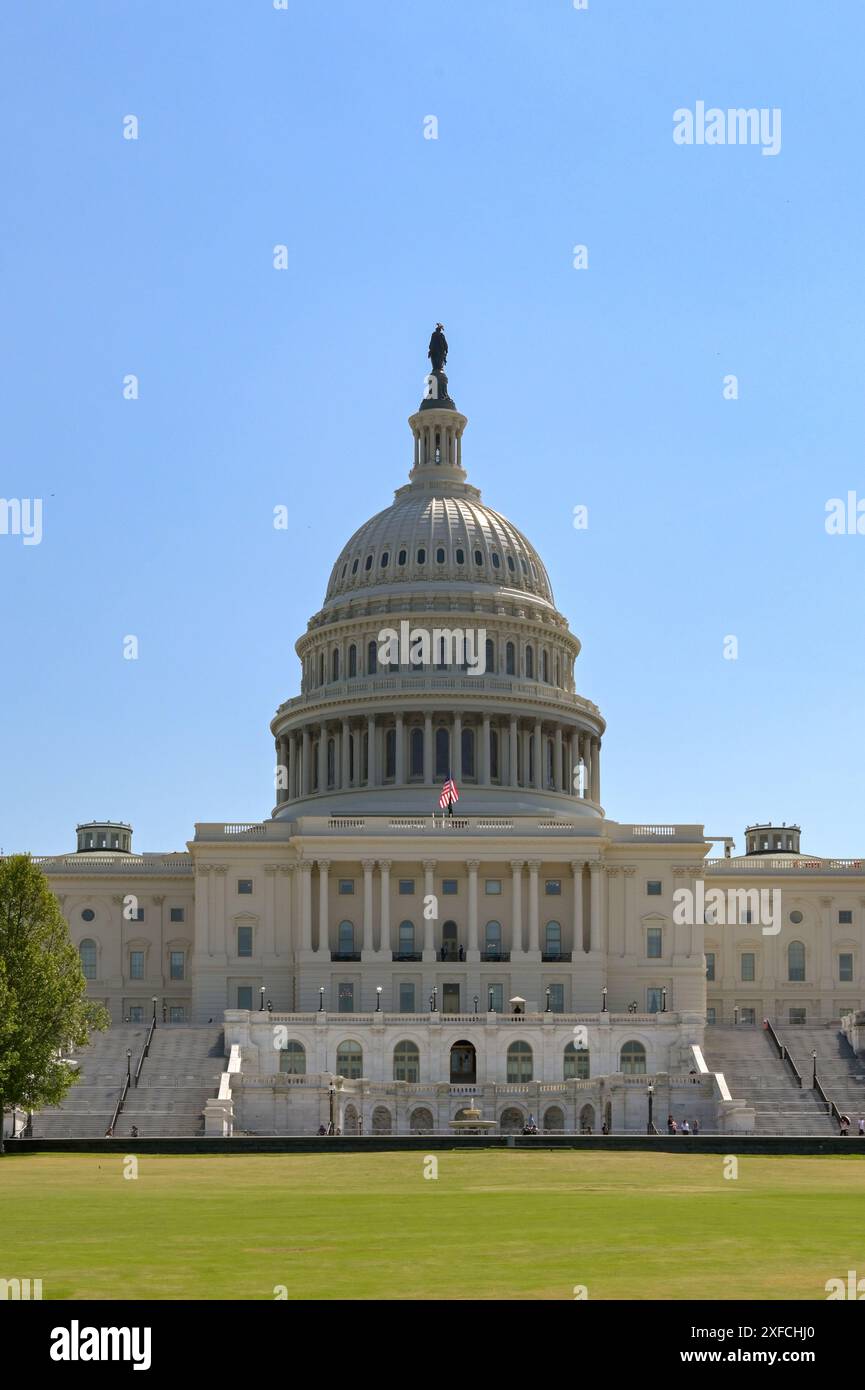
x: 512, y: 1121
x: 450, y: 947
x: 421, y: 1121
x: 349, y: 1120
x: 554, y: 1119
x: 382, y: 1122
x: 587, y: 1119
x: 464, y: 1063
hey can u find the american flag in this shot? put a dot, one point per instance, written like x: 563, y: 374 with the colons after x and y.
x: 449, y: 793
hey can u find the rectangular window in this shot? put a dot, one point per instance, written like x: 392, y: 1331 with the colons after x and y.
x: 244, y: 996
x: 244, y: 943
x: 345, y: 999
x: 136, y: 1013
x: 798, y: 1015
x: 450, y: 999
x: 496, y: 998
x: 406, y: 887
x: 748, y: 1016
x: 747, y: 963
x: 346, y: 887
x: 845, y: 917
x: 493, y: 886
x: 136, y: 965
x: 406, y: 938
x: 178, y: 914
x: 653, y: 888
x: 845, y: 967
x: 654, y: 1001
x: 553, y: 887
x: 449, y: 887
x: 654, y: 942
x: 138, y: 916
x: 710, y: 965
x: 710, y: 1013
x: 244, y: 885
x: 176, y: 965
x: 406, y: 999
x: 557, y: 998
x: 176, y: 1013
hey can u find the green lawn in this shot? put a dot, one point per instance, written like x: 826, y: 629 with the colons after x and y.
x: 509, y: 1225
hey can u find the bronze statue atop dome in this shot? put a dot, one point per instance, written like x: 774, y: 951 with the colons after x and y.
x: 437, y: 352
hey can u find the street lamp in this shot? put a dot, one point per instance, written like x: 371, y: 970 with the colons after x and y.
x: 378, y: 999
x: 663, y: 1001
x: 128, y: 1066
x: 261, y: 1005
x: 476, y: 1003
x: 154, y: 1010
x: 604, y: 1000
x: 651, y: 1094
x: 814, y: 1077
x: 332, y: 1090
x: 433, y: 1000
x: 491, y: 1002
x: 547, y: 1010
x: 321, y: 999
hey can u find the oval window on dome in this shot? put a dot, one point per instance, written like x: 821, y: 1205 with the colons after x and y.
x: 511, y: 565
x: 421, y: 556
x: 354, y: 567
x: 440, y: 555
x: 401, y: 558
x: 460, y: 557
x: 368, y: 563
x: 479, y: 559
x: 385, y: 560
x: 496, y: 561
x: 344, y: 568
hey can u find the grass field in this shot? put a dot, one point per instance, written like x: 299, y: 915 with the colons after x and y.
x: 492, y: 1225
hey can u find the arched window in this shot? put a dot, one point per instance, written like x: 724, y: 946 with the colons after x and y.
x: 334, y: 664
x: 349, y: 1060
x: 346, y: 938
x: 292, y: 1058
x: 490, y: 655
x: 371, y: 659
x: 633, y: 1059
x: 402, y: 557
x: 493, y: 939
x: 468, y: 749
x: 479, y: 558
x: 87, y: 952
x: 554, y: 1119
x: 421, y: 556
x: 406, y: 1062
x: 440, y: 555
x: 519, y: 1061
x: 443, y: 753
x: 530, y: 663
x: 510, y: 659
x: 460, y: 555
x: 390, y: 753
x: 331, y: 762
x: 450, y: 944
x: 367, y: 564
x: 553, y: 939
x: 796, y: 961
x: 494, y: 754
x: 406, y: 939
x: 352, y: 661
x: 576, y: 1063
x: 384, y: 561
x: 416, y: 752
x: 545, y: 666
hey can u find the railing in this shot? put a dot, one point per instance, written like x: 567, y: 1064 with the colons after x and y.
x: 426, y: 681
x: 550, y: 956
x: 496, y: 956
x: 145, y: 1050
x: 764, y: 863
x: 130, y: 866
x: 119, y: 1106
x: 782, y: 1051
x: 406, y: 955
x: 345, y: 955
x: 244, y: 828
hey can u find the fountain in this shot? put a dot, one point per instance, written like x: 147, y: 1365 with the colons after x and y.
x: 471, y: 1123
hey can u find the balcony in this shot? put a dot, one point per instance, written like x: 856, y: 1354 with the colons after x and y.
x: 406, y: 955
x: 451, y: 952
x: 560, y: 957
x: 345, y: 955
x: 496, y: 956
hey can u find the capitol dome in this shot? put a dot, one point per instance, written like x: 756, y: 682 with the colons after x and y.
x: 501, y: 714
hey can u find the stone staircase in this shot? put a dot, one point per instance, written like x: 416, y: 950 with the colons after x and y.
x: 754, y: 1072
x: 179, y: 1076
x: 86, y: 1110
x: 840, y: 1071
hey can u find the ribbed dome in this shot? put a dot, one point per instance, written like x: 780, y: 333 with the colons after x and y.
x: 446, y: 536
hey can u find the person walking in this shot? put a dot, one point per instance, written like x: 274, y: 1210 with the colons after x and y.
x: 674, y: 1128
x: 670, y: 1129
x: 686, y: 1128
x: 862, y: 1126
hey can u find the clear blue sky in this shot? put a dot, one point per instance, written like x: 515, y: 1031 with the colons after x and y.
x: 600, y: 387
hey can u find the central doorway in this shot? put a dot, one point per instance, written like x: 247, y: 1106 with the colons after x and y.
x: 464, y: 1065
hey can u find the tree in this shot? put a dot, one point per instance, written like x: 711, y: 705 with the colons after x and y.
x: 43, y: 1002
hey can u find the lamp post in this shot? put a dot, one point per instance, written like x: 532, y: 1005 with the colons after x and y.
x: 321, y: 999
x: 814, y: 1076
x: 651, y: 1094
x: 547, y: 1010
x: 128, y: 1066
x: 433, y: 1000
x: 378, y: 999
x: 261, y: 1004
x: 154, y: 1010
x: 663, y: 1001
x: 604, y: 1000
x: 332, y: 1091
x: 491, y: 1002
x: 476, y: 1003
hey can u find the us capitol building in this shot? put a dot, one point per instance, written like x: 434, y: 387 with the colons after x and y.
x: 380, y: 963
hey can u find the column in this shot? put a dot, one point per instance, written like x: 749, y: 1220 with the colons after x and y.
x: 290, y: 767
x: 457, y: 750
x: 473, y: 865
x: 345, y: 760
x: 399, y: 767
x: 202, y: 910
x: 484, y: 767
x: 595, y: 924
x: 322, y: 758
x: 512, y: 753
x: 627, y: 906
x: 517, y: 906
x: 384, y: 941
x: 372, y: 767
x: 596, y: 769
x: 304, y: 767
x: 538, y: 779
x: 573, y: 759
x: 534, y: 942
x: 368, y: 866
x: 557, y: 767
x: 427, y: 750
x: 305, y: 867
x: 577, y: 929
x: 429, y: 922
x: 284, y: 937
x: 270, y: 909
x: 323, y: 915
x: 586, y: 754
